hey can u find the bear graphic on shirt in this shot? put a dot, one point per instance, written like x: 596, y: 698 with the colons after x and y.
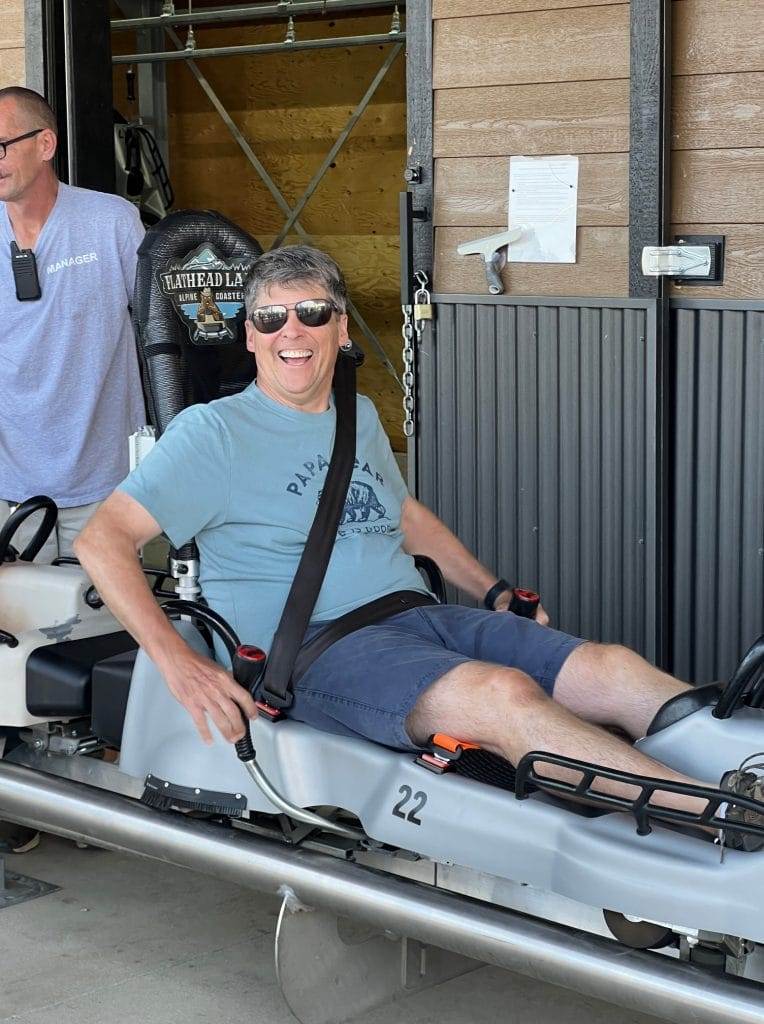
x: 361, y: 504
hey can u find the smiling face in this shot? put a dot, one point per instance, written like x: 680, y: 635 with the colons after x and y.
x: 27, y: 162
x: 295, y: 364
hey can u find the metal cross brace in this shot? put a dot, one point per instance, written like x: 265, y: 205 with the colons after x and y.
x: 270, y: 184
x: 352, y: 121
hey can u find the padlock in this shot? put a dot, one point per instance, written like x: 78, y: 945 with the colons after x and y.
x: 422, y: 304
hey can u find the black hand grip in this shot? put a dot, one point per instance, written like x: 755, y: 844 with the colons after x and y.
x: 8, y: 638
x: 43, y: 531
x: 245, y: 749
x: 744, y: 683
x: 524, y: 603
x: 248, y: 665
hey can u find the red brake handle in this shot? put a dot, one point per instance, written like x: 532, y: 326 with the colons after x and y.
x: 524, y: 602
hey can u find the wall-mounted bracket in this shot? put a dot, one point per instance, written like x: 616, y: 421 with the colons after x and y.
x: 716, y: 271
x: 692, y: 259
x: 676, y: 260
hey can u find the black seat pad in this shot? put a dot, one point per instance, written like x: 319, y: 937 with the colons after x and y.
x: 59, y: 676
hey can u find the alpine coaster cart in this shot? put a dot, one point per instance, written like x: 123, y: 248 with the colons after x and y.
x: 385, y: 889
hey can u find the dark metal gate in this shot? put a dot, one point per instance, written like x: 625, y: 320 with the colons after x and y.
x: 717, y: 569
x: 537, y: 447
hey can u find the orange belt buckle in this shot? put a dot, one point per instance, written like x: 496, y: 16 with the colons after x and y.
x: 444, y: 751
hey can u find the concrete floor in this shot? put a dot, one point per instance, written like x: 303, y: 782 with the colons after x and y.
x: 125, y: 940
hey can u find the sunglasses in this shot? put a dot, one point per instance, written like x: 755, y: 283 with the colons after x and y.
x: 311, y: 312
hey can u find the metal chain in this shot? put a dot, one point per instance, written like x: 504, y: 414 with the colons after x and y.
x: 413, y: 332
x: 408, y: 370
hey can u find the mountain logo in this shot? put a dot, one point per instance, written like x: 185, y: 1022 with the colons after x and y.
x: 207, y: 294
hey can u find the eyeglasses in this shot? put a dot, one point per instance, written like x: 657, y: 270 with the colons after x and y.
x: 19, y: 138
x: 311, y: 312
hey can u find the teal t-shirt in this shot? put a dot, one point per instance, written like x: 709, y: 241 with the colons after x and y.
x: 243, y: 475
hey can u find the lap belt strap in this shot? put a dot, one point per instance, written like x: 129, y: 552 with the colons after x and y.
x: 367, y: 615
x: 306, y: 585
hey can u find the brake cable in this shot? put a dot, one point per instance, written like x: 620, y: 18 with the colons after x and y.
x: 247, y: 664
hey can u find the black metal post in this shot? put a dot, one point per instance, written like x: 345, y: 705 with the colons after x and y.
x: 406, y: 221
x: 78, y: 86
x: 416, y: 209
x: 419, y: 167
x: 649, y: 224
x: 54, y: 79
x: 650, y: 139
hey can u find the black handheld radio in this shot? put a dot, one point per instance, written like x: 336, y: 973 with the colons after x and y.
x: 25, y: 274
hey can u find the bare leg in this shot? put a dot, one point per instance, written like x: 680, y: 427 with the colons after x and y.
x: 504, y: 711
x: 610, y: 685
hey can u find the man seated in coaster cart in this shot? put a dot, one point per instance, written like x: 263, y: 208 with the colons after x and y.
x: 243, y: 475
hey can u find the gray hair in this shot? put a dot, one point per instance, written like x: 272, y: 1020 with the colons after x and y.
x: 295, y: 264
x: 32, y: 106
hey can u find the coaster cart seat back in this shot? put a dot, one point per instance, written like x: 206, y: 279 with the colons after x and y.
x: 452, y: 846
x: 191, y: 268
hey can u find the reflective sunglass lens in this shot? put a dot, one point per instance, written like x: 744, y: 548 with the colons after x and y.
x: 269, y: 319
x: 314, y: 312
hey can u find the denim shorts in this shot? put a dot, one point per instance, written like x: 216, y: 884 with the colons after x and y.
x: 367, y: 683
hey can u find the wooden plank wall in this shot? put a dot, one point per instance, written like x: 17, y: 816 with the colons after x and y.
x: 513, y: 79
x: 718, y: 136
x: 12, y: 43
x: 291, y: 108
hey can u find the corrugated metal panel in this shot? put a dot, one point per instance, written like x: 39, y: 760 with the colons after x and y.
x: 537, y: 447
x: 718, y: 508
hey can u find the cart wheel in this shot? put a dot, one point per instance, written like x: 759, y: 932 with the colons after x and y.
x: 638, y: 934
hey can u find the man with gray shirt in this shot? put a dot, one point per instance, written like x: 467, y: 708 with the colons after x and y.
x: 70, y: 391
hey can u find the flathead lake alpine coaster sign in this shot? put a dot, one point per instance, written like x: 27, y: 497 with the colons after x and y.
x: 207, y: 294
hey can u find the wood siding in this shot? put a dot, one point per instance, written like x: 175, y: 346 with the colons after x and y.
x: 461, y: 8
x: 595, y: 272
x: 712, y: 36
x: 499, y: 92
x: 577, y: 44
x: 12, y: 43
x: 474, y: 191
x: 498, y: 71
x: 718, y: 137
x: 585, y: 117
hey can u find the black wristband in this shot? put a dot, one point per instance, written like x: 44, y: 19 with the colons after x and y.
x: 490, y: 598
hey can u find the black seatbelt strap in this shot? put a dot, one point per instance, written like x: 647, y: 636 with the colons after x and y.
x: 306, y: 585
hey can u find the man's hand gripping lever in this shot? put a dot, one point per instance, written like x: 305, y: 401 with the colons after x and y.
x: 248, y: 665
x: 203, y: 687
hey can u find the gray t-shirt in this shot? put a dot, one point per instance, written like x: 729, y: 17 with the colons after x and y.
x: 243, y: 476
x: 70, y: 392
